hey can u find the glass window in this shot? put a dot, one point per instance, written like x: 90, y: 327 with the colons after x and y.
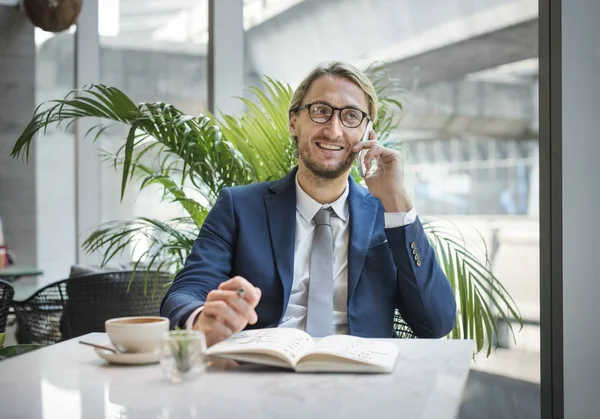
x: 467, y: 73
x: 152, y: 51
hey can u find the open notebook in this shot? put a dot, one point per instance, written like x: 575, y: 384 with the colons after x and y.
x: 296, y: 349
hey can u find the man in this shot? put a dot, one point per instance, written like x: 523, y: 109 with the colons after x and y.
x: 315, y: 250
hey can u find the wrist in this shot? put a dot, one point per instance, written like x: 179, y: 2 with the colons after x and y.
x: 198, y: 323
x: 397, y: 203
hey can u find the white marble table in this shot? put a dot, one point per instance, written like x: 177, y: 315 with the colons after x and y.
x: 69, y: 380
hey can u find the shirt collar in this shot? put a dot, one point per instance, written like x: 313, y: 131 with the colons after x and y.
x: 308, y: 207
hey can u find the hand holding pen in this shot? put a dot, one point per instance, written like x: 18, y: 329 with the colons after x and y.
x: 228, y: 309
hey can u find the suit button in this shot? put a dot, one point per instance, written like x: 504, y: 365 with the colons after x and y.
x: 415, y: 252
x: 419, y: 263
x: 413, y: 245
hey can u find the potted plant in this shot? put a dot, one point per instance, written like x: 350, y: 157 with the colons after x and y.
x: 14, y: 350
x: 184, y: 153
x: 182, y: 353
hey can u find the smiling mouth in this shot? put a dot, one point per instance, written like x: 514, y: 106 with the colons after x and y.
x: 326, y: 146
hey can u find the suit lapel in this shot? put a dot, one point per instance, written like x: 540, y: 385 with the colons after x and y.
x: 281, y: 215
x: 363, y: 214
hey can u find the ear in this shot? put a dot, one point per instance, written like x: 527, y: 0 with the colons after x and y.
x: 293, y: 125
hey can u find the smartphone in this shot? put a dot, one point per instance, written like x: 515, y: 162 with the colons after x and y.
x: 361, y: 153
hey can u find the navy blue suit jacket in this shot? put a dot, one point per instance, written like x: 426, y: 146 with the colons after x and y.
x: 250, y: 232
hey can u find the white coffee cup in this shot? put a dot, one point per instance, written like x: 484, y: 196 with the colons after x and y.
x: 136, y: 334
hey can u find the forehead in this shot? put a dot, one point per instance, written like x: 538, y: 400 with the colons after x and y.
x: 337, y: 91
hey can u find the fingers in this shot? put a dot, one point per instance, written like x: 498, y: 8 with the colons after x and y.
x: 372, y: 153
x: 226, y: 311
x: 233, y: 300
x: 362, y: 148
x: 251, y: 293
x: 225, y: 314
x: 364, y: 144
x: 214, y: 329
x: 369, y: 150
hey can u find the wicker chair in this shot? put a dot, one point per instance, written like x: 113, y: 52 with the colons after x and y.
x: 6, y: 295
x: 38, y: 317
x: 402, y: 330
x: 95, y: 298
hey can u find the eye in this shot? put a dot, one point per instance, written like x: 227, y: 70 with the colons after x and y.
x: 352, y: 115
x: 319, y: 109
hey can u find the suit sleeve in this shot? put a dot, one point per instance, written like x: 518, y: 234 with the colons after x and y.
x: 425, y: 298
x: 208, y: 264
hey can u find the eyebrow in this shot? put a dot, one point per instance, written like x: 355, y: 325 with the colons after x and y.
x: 324, y: 102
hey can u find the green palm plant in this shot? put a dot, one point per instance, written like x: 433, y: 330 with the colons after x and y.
x: 15, y: 350
x: 193, y: 157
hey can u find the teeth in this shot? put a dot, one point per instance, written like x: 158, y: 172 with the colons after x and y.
x: 330, y: 147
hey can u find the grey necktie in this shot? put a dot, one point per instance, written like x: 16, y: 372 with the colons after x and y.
x: 319, y: 311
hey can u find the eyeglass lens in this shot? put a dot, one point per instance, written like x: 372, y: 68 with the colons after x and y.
x: 321, y: 113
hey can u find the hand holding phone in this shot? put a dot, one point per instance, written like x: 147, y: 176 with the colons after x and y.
x: 361, y: 153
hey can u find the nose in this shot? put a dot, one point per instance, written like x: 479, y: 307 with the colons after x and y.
x: 334, y: 127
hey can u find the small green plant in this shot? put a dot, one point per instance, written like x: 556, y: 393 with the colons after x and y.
x: 16, y: 350
x: 182, y: 349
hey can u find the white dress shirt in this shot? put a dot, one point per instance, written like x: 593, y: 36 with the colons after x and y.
x: 306, y: 209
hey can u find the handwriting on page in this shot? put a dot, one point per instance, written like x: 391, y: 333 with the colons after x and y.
x: 290, y: 342
x: 357, y: 349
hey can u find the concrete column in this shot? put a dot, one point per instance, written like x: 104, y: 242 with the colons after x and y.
x: 570, y: 207
x: 581, y: 206
x: 17, y: 96
x: 87, y: 164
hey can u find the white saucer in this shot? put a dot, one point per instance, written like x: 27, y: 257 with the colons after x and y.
x: 140, y: 358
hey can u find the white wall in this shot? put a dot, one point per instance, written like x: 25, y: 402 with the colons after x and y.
x: 581, y: 206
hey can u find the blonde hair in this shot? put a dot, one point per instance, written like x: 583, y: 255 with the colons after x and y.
x: 340, y: 69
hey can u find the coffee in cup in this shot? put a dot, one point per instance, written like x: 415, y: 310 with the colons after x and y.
x: 136, y: 334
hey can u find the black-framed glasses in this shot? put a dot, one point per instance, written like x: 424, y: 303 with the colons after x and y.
x: 321, y: 113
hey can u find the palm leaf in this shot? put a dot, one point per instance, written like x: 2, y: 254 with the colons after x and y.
x: 16, y: 350
x: 194, y: 142
x: 166, y: 176
x: 482, y: 298
x: 166, y: 243
x: 261, y: 132
x: 388, y: 89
